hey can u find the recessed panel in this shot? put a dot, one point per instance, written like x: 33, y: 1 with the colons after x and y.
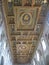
x: 25, y: 18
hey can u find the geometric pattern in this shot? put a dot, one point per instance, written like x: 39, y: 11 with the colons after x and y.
x: 25, y: 24
x: 23, y: 30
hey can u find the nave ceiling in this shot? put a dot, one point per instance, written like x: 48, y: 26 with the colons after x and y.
x: 24, y: 25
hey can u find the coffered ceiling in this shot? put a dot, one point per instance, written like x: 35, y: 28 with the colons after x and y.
x: 23, y: 27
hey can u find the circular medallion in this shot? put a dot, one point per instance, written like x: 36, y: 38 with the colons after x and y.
x: 26, y: 18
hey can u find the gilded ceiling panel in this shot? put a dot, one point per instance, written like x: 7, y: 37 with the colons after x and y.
x: 23, y: 29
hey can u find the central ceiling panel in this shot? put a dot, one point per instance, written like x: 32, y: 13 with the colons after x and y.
x: 26, y: 18
x: 23, y: 27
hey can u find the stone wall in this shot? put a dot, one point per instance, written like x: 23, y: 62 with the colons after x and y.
x: 5, y: 57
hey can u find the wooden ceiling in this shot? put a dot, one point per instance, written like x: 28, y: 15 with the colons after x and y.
x: 23, y: 27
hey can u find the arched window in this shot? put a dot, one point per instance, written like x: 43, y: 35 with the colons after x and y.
x: 43, y: 44
x: 47, y: 60
x: 38, y: 56
x: 2, y: 60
